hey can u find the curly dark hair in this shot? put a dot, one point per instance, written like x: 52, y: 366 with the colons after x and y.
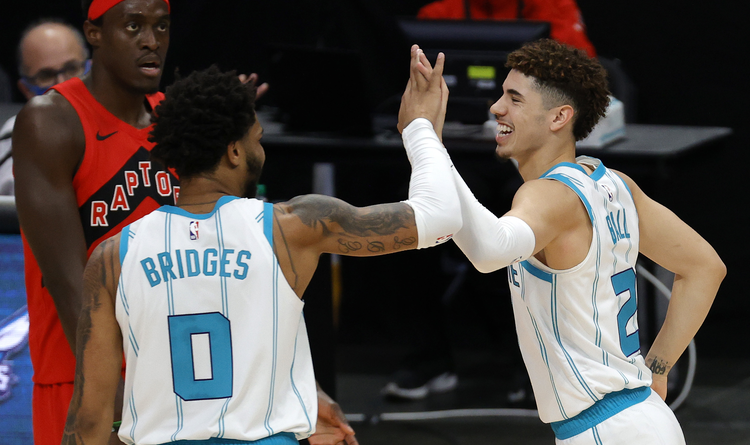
x: 565, y: 75
x: 200, y: 116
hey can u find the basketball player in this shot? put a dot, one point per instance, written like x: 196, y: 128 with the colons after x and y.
x: 571, y: 241
x: 204, y: 298
x: 82, y: 172
x: 81, y: 159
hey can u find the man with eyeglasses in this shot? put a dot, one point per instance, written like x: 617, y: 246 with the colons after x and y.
x: 49, y: 52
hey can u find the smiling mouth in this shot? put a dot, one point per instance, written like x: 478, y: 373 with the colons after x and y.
x: 503, y: 130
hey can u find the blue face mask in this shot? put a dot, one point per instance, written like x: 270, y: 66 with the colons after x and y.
x: 47, y: 78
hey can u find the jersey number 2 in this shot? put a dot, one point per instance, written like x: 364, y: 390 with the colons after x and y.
x: 201, y: 346
x: 625, y: 282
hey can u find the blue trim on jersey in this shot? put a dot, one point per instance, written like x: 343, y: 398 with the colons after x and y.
x: 565, y: 164
x: 222, y: 426
x: 133, y: 341
x: 268, y: 222
x: 179, y: 415
x: 600, y: 411
x: 276, y: 439
x: 533, y: 270
x: 133, y: 414
x: 167, y: 280
x: 294, y: 386
x: 597, y: 437
x: 600, y: 171
x: 568, y: 358
x: 595, y: 290
x: 569, y: 182
x: 222, y: 279
x: 275, y: 296
x: 545, y: 357
x: 622, y: 181
x: 124, y: 239
x: 123, y: 298
x: 182, y: 212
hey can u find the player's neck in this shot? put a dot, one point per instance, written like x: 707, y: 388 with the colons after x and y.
x: 541, y: 161
x: 199, y: 194
x: 125, y: 104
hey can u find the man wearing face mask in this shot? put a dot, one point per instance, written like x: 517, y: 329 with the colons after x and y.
x: 49, y: 52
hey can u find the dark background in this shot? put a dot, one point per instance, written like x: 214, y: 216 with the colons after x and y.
x: 687, y: 63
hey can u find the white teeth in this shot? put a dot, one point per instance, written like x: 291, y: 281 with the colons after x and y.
x: 504, y: 129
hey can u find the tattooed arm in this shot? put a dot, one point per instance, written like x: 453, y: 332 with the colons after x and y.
x: 99, y: 354
x: 309, y: 225
x: 698, y: 270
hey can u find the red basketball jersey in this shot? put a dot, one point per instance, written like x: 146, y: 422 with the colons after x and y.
x: 115, y: 185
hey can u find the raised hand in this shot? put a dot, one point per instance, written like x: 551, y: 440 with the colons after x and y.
x: 426, y: 94
x: 260, y: 90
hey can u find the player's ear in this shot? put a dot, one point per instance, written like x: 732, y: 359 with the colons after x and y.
x: 233, y: 153
x: 562, y: 115
x: 92, y: 33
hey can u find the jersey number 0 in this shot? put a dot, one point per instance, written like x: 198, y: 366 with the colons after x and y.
x: 201, y: 347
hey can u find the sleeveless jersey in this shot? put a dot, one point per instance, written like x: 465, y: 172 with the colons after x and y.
x: 115, y: 185
x: 214, y: 337
x: 577, y: 328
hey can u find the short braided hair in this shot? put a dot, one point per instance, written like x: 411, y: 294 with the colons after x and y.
x: 565, y: 75
x: 199, y: 117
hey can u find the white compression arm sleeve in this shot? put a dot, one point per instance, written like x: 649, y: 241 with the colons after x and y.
x: 432, y: 191
x: 489, y: 242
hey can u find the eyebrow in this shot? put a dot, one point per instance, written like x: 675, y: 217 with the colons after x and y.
x: 514, y: 92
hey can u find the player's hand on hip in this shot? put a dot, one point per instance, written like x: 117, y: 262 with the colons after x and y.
x: 426, y: 93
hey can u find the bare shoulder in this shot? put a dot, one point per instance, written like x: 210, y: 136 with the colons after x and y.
x: 642, y: 201
x: 46, y: 124
x: 49, y: 109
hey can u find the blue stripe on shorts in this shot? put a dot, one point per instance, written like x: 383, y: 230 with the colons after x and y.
x: 600, y: 411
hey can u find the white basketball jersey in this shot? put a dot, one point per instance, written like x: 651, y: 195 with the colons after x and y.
x: 214, y: 337
x: 577, y: 328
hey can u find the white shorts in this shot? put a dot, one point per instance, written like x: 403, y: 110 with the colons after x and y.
x: 650, y: 422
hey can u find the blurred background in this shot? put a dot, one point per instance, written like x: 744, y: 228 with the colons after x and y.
x: 342, y: 65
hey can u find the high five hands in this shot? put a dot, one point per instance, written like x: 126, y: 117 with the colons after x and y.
x: 426, y: 93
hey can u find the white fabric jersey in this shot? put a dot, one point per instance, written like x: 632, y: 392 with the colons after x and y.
x: 214, y: 338
x: 577, y: 328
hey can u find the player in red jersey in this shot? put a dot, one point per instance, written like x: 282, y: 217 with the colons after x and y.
x: 82, y: 173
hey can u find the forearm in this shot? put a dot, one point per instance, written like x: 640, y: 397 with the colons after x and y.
x: 688, y: 307
x: 432, y: 193
x: 489, y: 242
x: 59, y: 248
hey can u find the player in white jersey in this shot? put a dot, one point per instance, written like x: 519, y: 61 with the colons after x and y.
x: 204, y: 298
x: 571, y: 239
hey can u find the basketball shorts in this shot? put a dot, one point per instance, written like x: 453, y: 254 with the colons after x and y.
x: 648, y: 422
x: 49, y: 410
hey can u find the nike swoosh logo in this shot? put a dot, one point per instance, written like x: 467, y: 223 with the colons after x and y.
x: 99, y: 137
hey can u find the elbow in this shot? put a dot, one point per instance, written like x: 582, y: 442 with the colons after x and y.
x: 714, y: 268
x: 485, y: 265
x: 718, y: 269
x: 484, y: 268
